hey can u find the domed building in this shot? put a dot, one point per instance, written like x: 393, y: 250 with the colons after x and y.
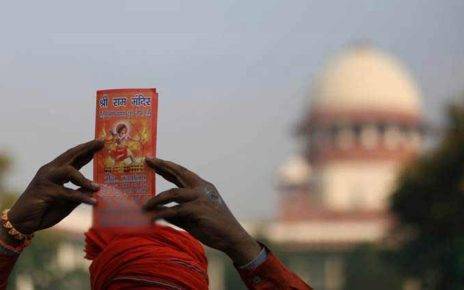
x: 364, y: 121
x: 362, y: 124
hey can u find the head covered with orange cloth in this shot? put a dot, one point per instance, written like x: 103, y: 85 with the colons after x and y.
x: 158, y: 257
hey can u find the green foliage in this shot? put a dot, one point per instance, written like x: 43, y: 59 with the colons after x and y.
x: 368, y: 267
x: 39, y: 263
x: 429, y: 205
x: 6, y: 199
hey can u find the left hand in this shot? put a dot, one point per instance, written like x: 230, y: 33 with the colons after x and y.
x: 201, y: 211
x: 46, y: 201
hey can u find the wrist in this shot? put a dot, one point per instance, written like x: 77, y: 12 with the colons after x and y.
x: 9, y: 245
x: 243, y: 249
x: 10, y: 229
x: 8, y: 239
x: 18, y: 221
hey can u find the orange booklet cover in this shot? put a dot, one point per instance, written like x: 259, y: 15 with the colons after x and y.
x: 127, y: 120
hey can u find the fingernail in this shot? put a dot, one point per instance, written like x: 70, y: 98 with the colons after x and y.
x: 93, y: 201
x: 95, y: 185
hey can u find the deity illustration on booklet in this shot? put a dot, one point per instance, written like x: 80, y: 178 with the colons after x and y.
x: 126, y: 119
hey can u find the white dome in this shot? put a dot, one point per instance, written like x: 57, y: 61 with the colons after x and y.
x: 294, y: 171
x: 361, y: 78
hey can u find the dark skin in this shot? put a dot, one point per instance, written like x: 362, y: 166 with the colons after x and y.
x: 46, y: 201
x: 201, y: 211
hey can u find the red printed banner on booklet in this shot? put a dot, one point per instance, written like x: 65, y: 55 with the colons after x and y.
x: 126, y: 119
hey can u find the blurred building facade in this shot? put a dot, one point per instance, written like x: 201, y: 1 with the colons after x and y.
x: 363, y: 122
x: 362, y: 125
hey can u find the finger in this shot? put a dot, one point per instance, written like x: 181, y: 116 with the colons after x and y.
x: 78, y: 196
x: 178, y: 195
x: 87, y: 154
x: 179, y: 222
x: 77, y: 178
x: 173, y: 172
x: 165, y: 212
x: 69, y: 173
x: 80, y: 155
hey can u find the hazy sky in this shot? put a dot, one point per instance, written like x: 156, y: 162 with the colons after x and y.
x: 233, y: 76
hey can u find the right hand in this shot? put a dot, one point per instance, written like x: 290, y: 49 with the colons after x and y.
x: 46, y: 201
x: 201, y: 211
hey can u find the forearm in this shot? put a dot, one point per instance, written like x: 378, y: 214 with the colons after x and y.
x: 266, y: 271
x: 8, y: 257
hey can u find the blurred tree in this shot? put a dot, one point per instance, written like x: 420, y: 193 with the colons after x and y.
x: 368, y: 267
x: 38, y: 264
x: 429, y: 207
x: 6, y: 198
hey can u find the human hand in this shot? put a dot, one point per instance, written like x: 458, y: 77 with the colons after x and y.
x: 201, y: 211
x: 46, y: 201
